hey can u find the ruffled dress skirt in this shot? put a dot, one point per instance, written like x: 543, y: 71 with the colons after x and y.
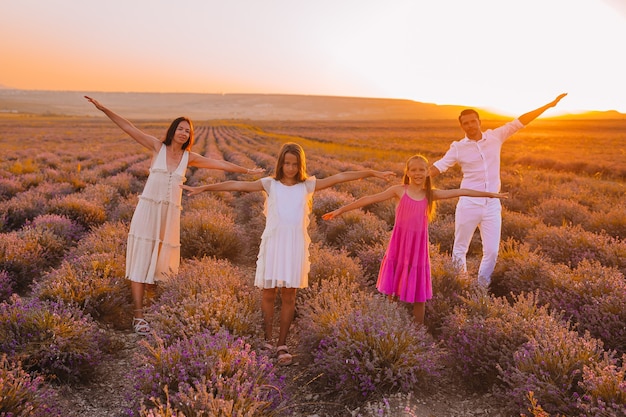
x: 283, y: 259
x: 153, y: 246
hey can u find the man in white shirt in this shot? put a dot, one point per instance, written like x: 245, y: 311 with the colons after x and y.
x: 478, y: 155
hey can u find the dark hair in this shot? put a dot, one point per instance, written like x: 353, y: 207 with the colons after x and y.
x: 169, y: 136
x: 467, y: 112
x: 294, y: 149
x: 428, y: 184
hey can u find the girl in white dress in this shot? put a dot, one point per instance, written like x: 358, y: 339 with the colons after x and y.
x: 153, y: 247
x: 283, y: 260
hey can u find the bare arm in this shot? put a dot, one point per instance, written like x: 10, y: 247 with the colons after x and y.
x: 142, y: 138
x: 533, y: 114
x: 365, y: 201
x: 247, y: 186
x: 351, y: 176
x: 464, y: 192
x: 200, y: 161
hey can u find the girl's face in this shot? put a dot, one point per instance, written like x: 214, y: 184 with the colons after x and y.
x: 181, y: 135
x: 417, y: 171
x: 291, y: 167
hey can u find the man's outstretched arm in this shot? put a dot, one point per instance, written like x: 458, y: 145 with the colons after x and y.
x: 533, y: 114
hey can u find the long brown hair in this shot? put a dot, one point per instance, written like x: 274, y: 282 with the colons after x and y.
x: 428, y: 187
x: 169, y: 136
x: 294, y: 149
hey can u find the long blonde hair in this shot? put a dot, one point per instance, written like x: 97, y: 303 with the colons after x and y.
x: 427, y: 185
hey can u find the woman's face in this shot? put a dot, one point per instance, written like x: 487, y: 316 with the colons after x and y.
x: 181, y: 135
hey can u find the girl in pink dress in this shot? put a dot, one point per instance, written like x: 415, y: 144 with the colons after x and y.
x: 405, y: 268
x: 283, y: 260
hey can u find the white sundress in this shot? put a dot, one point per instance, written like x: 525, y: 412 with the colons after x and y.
x: 153, y: 246
x: 283, y: 259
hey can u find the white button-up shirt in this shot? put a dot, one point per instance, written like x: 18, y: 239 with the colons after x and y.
x: 479, y: 160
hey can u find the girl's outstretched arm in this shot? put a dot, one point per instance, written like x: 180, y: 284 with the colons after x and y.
x: 197, y: 160
x: 464, y: 192
x: 246, y: 186
x: 393, y: 191
x: 142, y: 138
x: 351, y: 176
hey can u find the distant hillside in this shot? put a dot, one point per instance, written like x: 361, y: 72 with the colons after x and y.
x: 228, y: 106
x: 596, y: 115
x: 236, y: 106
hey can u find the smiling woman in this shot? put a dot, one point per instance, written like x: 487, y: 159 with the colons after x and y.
x: 153, y: 246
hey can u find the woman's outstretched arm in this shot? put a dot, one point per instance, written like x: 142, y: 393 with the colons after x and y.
x: 142, y: 138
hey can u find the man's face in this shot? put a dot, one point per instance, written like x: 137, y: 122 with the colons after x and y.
x: 470, y: 123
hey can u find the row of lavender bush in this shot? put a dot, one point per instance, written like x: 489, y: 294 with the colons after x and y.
x: 553, y: 325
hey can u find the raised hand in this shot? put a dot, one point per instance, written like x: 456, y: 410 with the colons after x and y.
x: 556, y: 100
x: 95, y: 103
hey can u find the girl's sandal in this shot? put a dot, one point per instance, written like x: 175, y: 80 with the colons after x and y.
x: 141, y: 326
x: 284, y: 357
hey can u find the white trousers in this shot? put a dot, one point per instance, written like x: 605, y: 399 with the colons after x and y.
x: 488, y: 218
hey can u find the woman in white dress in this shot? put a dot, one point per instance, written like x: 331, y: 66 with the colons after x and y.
x: 153, y: 247
x: 283, y: 260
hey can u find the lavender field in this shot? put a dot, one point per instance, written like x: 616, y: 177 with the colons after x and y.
x: 548, y: 339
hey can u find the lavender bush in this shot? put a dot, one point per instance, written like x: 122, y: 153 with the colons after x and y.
x: 210, y: 233
x: 327, y: 262
x: 448, y: 289
x: 571, y: 244
x: 604, y: 388
x: 324, y: 306
x: 78, y: 208
x: 24, y: 395
x: 522, y: 269
x: 355, y: 230
x: 376, y: 349
x: 94, y: 283
x: 550, y: 364
x: 68, y: 230
x: 594, y: 297
x: 207, y: 294
x: 7, y: 286
x: 56, y: 340
x: 484, y: 333
x: 206, y: 368
x: 27, y: 253
x: 23, y: 207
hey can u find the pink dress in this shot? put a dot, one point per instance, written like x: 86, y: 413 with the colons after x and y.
x: 405, y: 269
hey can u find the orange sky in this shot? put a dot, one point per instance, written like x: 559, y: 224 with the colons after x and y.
x: 510, y: 56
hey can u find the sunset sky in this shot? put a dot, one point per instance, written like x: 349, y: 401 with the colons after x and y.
x: 506, y: 55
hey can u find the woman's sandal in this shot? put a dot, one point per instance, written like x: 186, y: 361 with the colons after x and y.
x: 141, y: 326
x: 285, y: 357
